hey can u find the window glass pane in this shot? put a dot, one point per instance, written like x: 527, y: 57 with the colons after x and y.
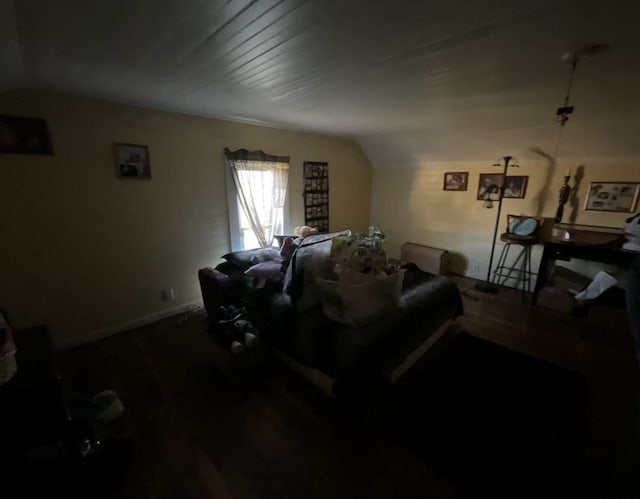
x: 262, y: 187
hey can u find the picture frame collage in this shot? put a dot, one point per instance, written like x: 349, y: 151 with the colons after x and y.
x: 316, y: 195
x: 489, y: 185
x: 620, y: 197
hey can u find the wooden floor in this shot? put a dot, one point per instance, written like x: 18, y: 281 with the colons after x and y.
x: 198, y: 433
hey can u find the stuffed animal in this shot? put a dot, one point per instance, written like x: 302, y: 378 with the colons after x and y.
x: 305, y: 231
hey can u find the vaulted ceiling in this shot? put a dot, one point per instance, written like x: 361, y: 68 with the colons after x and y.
x: 410, y: 80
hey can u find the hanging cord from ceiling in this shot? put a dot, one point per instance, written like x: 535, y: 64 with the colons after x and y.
x: 562, y: 115
x: 573, y: 58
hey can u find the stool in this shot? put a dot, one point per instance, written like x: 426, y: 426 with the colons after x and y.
x: 521, y: 266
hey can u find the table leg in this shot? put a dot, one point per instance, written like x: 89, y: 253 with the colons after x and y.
x: 546, y: 264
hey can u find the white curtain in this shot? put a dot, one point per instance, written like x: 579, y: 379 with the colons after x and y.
x: 261, y: 183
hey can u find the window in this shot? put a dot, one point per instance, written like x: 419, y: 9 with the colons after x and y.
x: 257, y: 197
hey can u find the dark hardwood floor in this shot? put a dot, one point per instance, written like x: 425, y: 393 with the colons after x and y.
x: 200, y: 433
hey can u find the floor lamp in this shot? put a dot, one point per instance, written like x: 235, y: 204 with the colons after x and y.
x: 506, y: 162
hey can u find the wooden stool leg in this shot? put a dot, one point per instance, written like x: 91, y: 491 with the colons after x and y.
x: 501, y: 261
x: 526, y: 275
x: 529, y: 273
x: 513, y: 268
x: 523, y: 271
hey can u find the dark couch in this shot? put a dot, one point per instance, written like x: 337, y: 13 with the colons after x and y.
x: 357, y: 361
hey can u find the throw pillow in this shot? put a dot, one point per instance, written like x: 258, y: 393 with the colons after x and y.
x: 524, y: 227
x: 265, y: 271
x: 287, y: 248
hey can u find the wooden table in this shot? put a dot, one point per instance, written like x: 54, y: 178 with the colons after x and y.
x: 596, y: 244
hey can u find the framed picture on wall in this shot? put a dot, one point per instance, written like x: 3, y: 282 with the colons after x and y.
x: 20, y: 135
x: 132, y: 160
x: 455, y: 181
x: 489, y: 186
x: 516, y: 186
x: 619, y: 197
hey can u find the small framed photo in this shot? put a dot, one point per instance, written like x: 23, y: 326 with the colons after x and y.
x: 456, y: 181
x: 20, y: 135
x: 516, y: 186
x: 620, y: 197
x: 489, y: 186
x: 132, y: 160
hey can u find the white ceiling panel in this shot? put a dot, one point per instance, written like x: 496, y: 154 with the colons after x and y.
x: 414, y: 76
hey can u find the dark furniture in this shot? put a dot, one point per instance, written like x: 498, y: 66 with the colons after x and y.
x: 585, y: 243
x: 354, y: 364
x: 33, y: 415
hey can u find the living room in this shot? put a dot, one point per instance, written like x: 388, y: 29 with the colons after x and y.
x: 392, y: 100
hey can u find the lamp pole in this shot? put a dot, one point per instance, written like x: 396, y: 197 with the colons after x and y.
x: 487, y: 286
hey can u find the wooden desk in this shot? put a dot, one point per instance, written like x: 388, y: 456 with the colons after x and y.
x: 584, y: 243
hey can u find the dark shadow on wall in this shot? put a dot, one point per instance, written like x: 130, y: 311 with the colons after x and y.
x: 574, y: 200
x: 457, y: 263
x: 544, y: 193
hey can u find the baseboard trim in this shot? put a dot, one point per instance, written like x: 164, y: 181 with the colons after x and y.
x: 100, y: 334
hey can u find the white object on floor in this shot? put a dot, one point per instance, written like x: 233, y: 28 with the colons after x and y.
x: 237, y: 347
x: 601, y: 282
x: 251, y: 340
x: 108, y: 406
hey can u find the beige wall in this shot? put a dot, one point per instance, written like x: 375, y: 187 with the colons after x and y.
x: 87, y: 252
x: 409, y: 204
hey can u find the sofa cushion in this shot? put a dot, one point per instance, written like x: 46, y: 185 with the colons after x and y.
x: 265, y: 271
x: 247, y: 258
